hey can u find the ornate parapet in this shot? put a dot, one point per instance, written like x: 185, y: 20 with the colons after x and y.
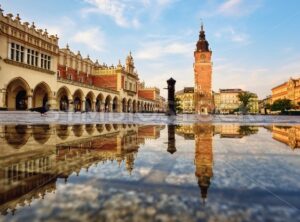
x: 13, y: 28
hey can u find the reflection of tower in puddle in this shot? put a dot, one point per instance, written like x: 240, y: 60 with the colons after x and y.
x: 203, y: 157
x: 171, y: 139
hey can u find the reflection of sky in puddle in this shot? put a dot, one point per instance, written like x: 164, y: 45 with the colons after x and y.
x: 122, y: 172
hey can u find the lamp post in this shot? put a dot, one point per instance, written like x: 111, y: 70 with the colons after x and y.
x: 171, y: 97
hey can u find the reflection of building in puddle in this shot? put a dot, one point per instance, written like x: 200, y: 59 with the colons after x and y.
x: 234, y: 131
x: 33, y: 157
x: 225, y: 131
x: 289, y: 135
x: 186, y: 131
x: 150, y: 132
x: 203, y: 136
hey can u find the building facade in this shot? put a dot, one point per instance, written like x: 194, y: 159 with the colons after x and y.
x: 187, y: 99
x: 288, y: 90
x: 35, y: 72
x: 264, y: 105
x: 253, y: 105
x: 226, y: 101
x: 203, y: 75
x: 151, y: 94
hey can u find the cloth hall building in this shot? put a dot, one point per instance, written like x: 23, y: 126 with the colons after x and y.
x: 35, y: 72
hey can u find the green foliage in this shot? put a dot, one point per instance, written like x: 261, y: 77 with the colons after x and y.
x: 282, y: 105
x: 268, y: 106
x: 245, y: 98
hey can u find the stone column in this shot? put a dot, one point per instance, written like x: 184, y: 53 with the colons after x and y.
x: 94, y: 106
x: 29, y: 102
x: 52, y: 103
x: 102, y: 107
x: 3, y: 98
x: 83, y: 106
x: 120, y: 107
x: 110, y: 106
x: 71, y: 105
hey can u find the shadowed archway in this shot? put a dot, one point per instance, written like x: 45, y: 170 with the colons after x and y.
x: 17, y: 93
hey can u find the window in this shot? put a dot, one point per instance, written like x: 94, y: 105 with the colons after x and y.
x: 32, y: 57
x: 45, y: 61
x: 16, y: 52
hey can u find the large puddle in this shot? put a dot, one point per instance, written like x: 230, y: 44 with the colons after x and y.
x: 111, y: 172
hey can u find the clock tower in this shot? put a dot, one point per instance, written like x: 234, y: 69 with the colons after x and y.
x: 203, y: 75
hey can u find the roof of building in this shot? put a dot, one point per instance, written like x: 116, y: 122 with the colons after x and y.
x: 188, y: 89
x: 185, y: 90
x: 230, y: 90
x: 180, y: 92
x: 282, y: 84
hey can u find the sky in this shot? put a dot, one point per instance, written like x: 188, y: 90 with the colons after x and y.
x: 255, y: 43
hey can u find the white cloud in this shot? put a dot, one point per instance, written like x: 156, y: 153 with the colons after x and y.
x: 126, y: 13
x: 158, y: 49
x: 115, y: 9
x: 92, y: 38
x: 68, y: 32
x: 164, y: 2
x: 238, y: 7
x: 233, y: 35
x: 61, y: 28
x: 232, y: 8
x: 157, y: 73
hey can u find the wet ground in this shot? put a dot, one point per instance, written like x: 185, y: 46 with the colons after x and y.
x: 25, y: 117
x: 130, y: 172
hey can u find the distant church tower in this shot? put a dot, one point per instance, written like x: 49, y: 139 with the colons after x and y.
x: 203, y: 76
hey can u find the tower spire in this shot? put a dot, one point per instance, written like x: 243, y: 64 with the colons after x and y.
x: 202, y: 44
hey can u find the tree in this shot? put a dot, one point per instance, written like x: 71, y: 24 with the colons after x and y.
x: 248, y: 130
x: 267, y: 106
x: 282, y: 105
x: 178, y: 105
x: 245, y: 98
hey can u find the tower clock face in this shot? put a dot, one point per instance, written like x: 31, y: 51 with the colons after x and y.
x: 202, y: 56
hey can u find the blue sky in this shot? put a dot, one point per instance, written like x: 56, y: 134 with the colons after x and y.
x: 255, y: 43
